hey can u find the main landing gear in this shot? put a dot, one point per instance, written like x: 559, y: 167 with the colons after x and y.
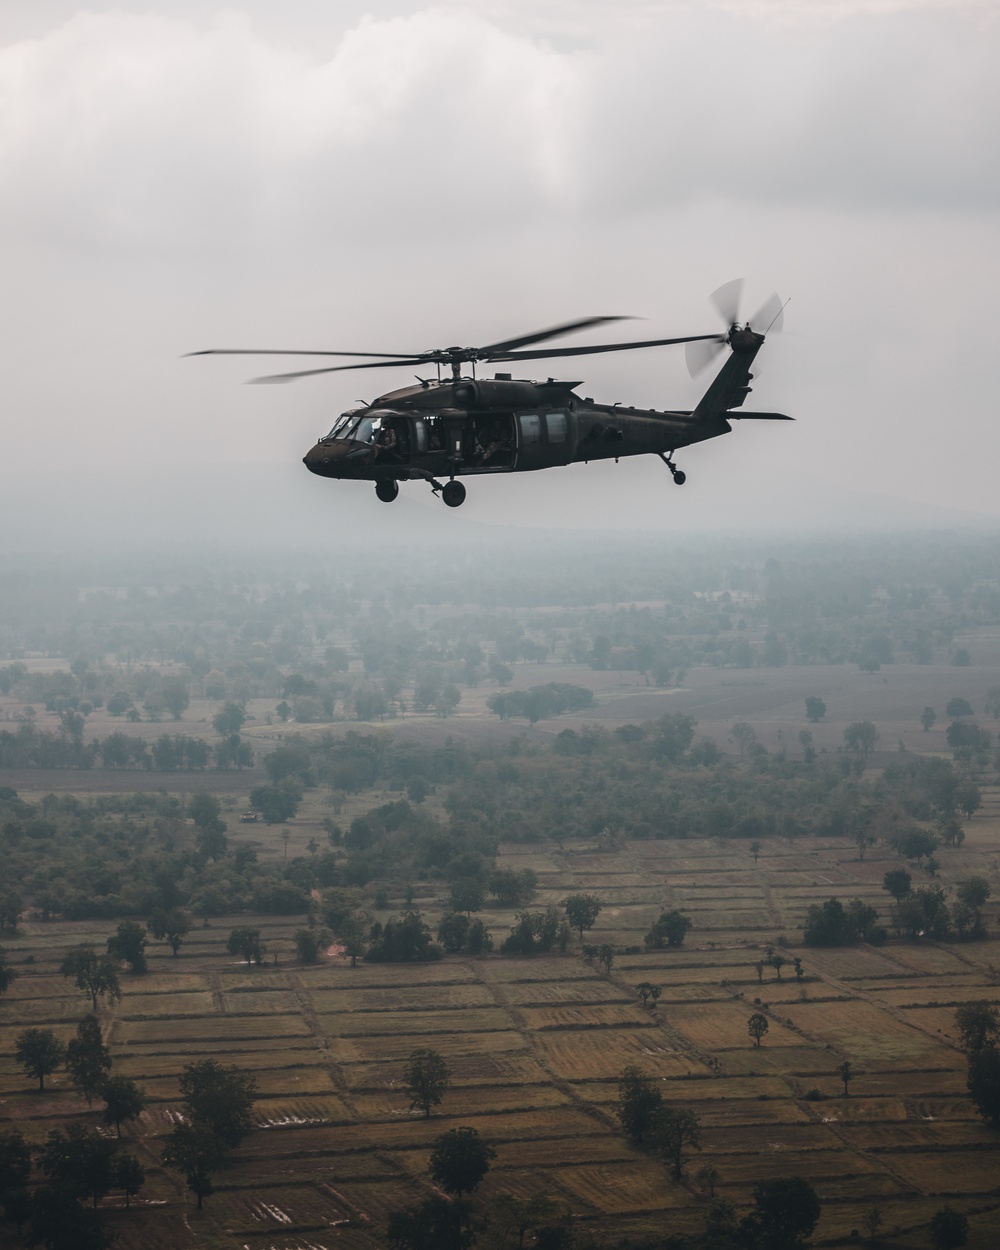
x: 453, y: 493
x: 679, y: 476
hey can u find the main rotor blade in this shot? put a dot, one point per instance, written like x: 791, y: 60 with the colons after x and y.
x: 568, y: 327
x: 700, y: 353
x: 309, y: 373
x: 278, y: 351
x: 549, y: 352
x: 727, y: 300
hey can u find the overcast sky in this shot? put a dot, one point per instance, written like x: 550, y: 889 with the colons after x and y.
x: 392, y: 176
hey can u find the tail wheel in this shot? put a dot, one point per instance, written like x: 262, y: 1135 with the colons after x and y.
x: 453, y: 494
x: 387, y: 489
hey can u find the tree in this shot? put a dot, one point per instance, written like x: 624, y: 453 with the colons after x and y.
x: 11, y: 904
x: 127, y: 1174
x: 80, y: 1162
x: 847, y: 1075
x: 453, y: 931
x: 467, y: 894
x: 425, y: 1077
x: 352, y: 936
x: 897, y: 881
x: 172, y: 926
x: 927, y: 718
x: 958, y: 707
x: 404, y: 939
x: 606, y: 954
x: 785, y: 1212
x: 827, y: 924
x: 59, y: 1223
x: 128, y: 945
x: 582, y: 911
x: 275, y: 803
x: 755, y: 849
x: 39, y: 1052
x: 435, y: 1224
x: 511, y: 887
x: 674, y: 1132
x: 95, y: 974
x: 245, y: 942
x: 195, y: 1152
x: 983, y: 1083
x: 777, y: 962
x: 949, y: 1229
x: 669, y: 929
x: 309, y: 943
x: 646, y: 991
x: 206, y: 812
x: 220, y: 1098
x: 978, y: 1024
x: 460, y: 1159
x: 638, y: 1102
x: 992, y: 706
x: 744, y: 735
x: 973, y: 892
x: 509, y: 1219
x: 88, y: 1060
x: 708, y: 1177
x: 675, y: 733
x: 757, y: 1026
x: 15, y: 1162
x: 175, y: 696
x: 230, y: 720
x: 861, y: 736
x: 123, y: 1099
x: 872, y: 1220
x: 815, y: 708
x: 7, y: 975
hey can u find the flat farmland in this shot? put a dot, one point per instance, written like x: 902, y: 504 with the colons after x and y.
x: 535, y: 1047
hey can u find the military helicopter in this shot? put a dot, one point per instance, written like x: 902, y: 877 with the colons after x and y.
x: 461, y: 426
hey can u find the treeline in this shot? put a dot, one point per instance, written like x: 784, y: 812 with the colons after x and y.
x: 82, y: 858
x: 143, y: 641
x: 30, y: 747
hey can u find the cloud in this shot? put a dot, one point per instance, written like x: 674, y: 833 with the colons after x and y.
x: 125, y: 131
x: 128, y: 130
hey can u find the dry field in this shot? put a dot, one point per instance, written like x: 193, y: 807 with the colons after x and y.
x: 535, y: 1047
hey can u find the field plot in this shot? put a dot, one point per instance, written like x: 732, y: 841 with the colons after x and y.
x: 535, y: 1047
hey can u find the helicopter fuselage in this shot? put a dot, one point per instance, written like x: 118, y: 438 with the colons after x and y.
x: 471, y: 426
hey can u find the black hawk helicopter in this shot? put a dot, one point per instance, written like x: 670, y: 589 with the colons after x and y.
x: 460, y: 426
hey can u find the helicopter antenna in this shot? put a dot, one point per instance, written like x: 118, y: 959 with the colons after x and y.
x: 778, y: 314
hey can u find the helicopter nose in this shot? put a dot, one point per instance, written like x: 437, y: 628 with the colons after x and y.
x: 323, y: 459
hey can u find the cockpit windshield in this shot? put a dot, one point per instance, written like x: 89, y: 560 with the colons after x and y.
x: 341, y: 424
x: 356, y: 428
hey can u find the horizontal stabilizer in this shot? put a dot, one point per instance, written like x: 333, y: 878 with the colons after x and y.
x: 758, y: 416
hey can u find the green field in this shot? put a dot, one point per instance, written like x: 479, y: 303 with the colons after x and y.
x: 535, y: 1047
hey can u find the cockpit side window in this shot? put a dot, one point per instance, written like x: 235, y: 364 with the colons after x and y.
x: 364, y: 431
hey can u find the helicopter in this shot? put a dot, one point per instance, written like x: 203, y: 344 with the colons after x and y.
x: 462, y: 426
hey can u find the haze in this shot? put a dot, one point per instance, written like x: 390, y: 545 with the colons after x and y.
x: 390, y: 177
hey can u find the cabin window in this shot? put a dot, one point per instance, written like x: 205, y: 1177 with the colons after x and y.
x: 531, y: 428
x: 555, y: 423
x: 420, y: 435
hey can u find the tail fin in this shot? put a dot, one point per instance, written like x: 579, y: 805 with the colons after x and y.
x: 732, y: 384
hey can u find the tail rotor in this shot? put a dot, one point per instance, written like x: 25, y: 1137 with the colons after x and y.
x: 768, y: 318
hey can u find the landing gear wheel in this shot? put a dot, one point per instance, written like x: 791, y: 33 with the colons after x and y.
x: 453, y: 494
x: 387, y: 489
x: 680, y: 477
